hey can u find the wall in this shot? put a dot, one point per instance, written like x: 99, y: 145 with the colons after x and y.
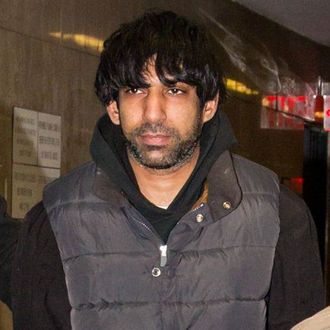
x: 55, y: 75
x: 44, y: 69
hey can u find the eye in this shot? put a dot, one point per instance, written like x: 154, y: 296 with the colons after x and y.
x: 175, y: 91
x: 133, y: 90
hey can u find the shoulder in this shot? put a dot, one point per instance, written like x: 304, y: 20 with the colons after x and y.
x: 254, y: 175
x: 251, y: 166
x: 71, y: 177
x: 68, y: 186
x: 294, y: 213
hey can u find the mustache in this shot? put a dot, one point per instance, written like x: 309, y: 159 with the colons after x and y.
x: 157, y: 128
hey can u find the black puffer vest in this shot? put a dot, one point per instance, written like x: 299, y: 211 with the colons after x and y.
x: 214, y: 272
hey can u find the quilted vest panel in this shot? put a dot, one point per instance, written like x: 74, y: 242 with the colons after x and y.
x: 217, y: 272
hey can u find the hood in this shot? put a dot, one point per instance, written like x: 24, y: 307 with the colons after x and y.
x: 108, y: 151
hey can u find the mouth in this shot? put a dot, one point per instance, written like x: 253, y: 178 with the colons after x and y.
x: 155, y: 139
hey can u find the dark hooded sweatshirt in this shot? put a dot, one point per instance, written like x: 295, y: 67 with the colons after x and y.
x: 109, y: 152
x: 39, y: 292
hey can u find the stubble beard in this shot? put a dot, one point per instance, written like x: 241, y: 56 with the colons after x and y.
x: 174, y: 155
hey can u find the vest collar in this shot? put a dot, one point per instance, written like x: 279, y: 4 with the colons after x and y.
x: 224, y: 192
x: 104, y: 188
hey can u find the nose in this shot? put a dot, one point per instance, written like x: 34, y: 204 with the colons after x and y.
x: 154, y: 107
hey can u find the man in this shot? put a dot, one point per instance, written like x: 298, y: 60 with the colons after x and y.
x: 165, y: 228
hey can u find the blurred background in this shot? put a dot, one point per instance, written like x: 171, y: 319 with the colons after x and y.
x: 276, y: 58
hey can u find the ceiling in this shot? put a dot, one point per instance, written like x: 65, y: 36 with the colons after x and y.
x: 310, y: 18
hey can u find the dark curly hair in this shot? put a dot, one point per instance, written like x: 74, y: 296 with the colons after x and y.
x: 182, y: 51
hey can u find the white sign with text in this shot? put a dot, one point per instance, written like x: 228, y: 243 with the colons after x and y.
x: 49, y: 140
x: 25, y: 136
x: 36, y: 157
x: 36, y: 138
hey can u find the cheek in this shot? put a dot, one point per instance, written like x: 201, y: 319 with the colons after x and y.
x: 186, y: 116
x: 128, y: 121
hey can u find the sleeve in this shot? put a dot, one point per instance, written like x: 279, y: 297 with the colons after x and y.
x: 9, y: 230
x: 39, y: 294
x: 297, y: 289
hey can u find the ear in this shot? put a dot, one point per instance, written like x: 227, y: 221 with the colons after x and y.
x: 113, y: 112
x: 210, y: 108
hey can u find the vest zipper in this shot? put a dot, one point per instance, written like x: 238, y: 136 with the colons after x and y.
x: 143, y: 224
x: 163, y: 255
x: 162, y: 248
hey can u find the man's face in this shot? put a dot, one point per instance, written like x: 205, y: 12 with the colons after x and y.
x: 162, y: 124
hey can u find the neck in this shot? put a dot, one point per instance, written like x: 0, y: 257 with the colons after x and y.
x: 161, y: 187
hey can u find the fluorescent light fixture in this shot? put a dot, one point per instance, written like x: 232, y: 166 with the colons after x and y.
x: 239, y: 87
x: 82, y: 40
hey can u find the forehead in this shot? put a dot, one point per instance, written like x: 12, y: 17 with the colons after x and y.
x: 151, y: 77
